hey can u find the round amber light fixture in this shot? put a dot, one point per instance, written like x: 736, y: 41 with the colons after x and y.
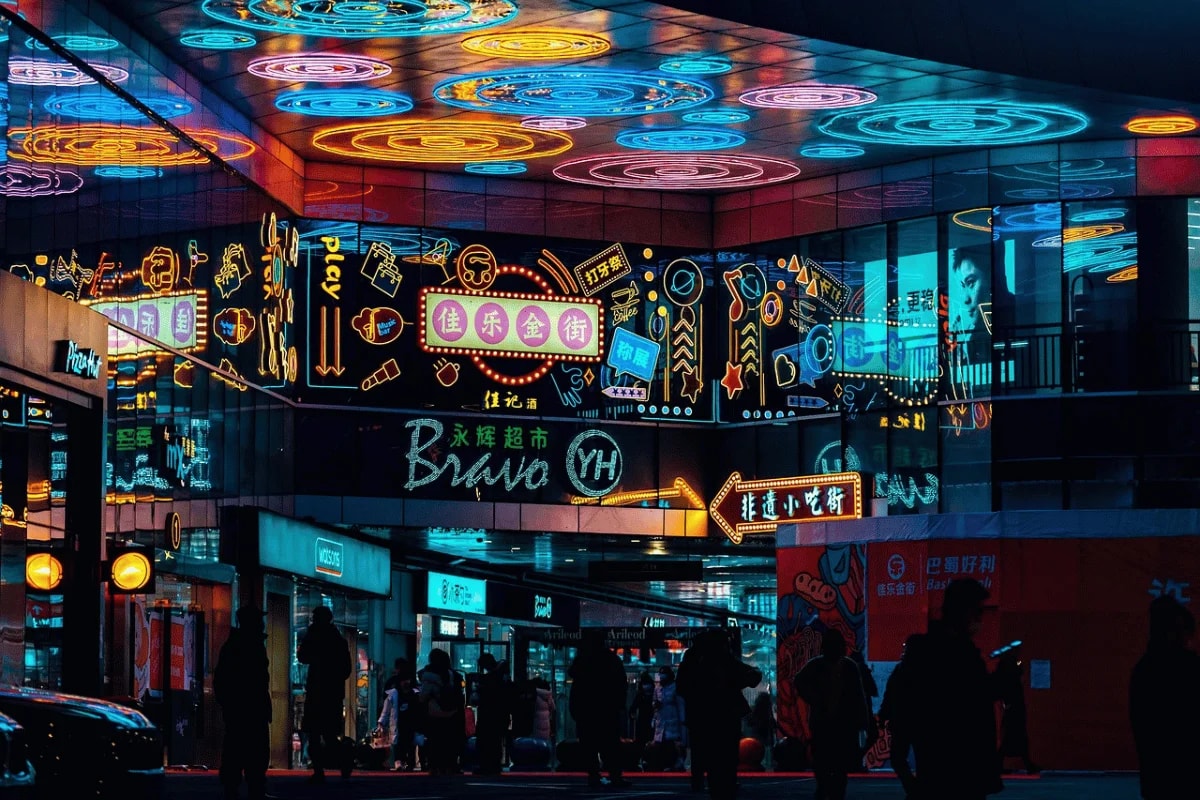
x: 1164, y: 125
x: 43, y: 572
x: 131, y: 571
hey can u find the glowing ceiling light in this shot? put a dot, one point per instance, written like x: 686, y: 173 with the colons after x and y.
x: 77, y: 42
x: 102, y: 145
x: 343, y: 102
x: 218, y: 40
x: 496, y: 168
x: 537, y: 43
x: 35, y: 72
x: 319, y: 68
x: 130, y: 173
x: 362, y: 19
x: 831, y: 150
x: 553, y: 123
x: 696, y: 65
x: 950, y: 123
x: 1162, y: 125
x: 677, y: 171
x: 441, y: 141
x: 571, y: 92
x: 100, y: 105
x: 23, y: 180
x: 808, y: 96
x: 723, y: 116
x: 686, y: 139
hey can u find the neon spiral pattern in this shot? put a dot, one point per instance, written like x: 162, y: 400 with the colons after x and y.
x: 1100, y: 255
x: 22, y: 180
x: 496, y: 168
x: 568, y: 92
x: 680, y: 139
x: 540, y: 43
x: 808, y: 96
x: 441, y: 141
x: 319, y: 68
x: 104, y: 106
x: 218, y: 40
x: 77, y: 42
x: 361, y: 19
x: 34, y: 72
x: 1094, y: 169
x: 696, y: 65
x: 553, y: 123
x: 1084, y: 191
x: 725, y: 116
x: 1162, y: 125
x: 683, y: 171
x: 343, y: 102
x: 831, y: 151
x: 1099, y: 215
x: 104, y: 145
x: 128, y: 173
x: 948, y: 124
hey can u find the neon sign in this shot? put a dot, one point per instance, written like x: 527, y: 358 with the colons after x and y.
x: 496, y: 168
x: 218, y: 40
x: 319, y: 68
x: 20, y: 180
x: 422, y: 471
x: 572, y: 92
x: 831, y: 151
x: 594, y: 463
x: 441, y: 141
x: 553, y: 123
x: 100, y: 105
x: 676, y: 171
x: 725, y: 116
x: 94, y: 145
x: 78, y: 42
x: 687, y: 139
x: 343, y: 102
x: 452, y: 593
x: 72, y: 359
x: 35, y: 72
x: 760, y: 506
x: 1162, y: 125
x: 952, y: 123
x: 361, y: 19
x: 538, y: 43
x: 516, y: 325
x: 179, y: 319
x: 329, y: 557
x: 696, y: 65
x: 808, y: 96
x: 633, y: 354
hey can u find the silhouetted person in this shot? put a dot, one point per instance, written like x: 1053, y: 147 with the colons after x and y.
x: 870, y: 691
x: 441, y: 690
x: 398, y: 717
x: 669, y: 739
x: 710, y: 680
x: 642, y: 711
x: 762, y: 721
x: 1164, y: 704
x: 942, y: 704
x: 242, y: 687
x: 901, y: 737
x: 1014, y: 720
x: 493, y: 716
x: 833, y: 689
x: 327, y: 655
x: 597, y: 704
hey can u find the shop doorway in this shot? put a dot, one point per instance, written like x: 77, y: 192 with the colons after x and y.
x: 465, y: 653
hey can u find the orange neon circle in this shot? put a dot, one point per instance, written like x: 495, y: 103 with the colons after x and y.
x: 43, y: 572
x: 1127, y: 274
x: 441, y: 141
x: 98, y: 145
x: 542, y: 43
x: 1164, y: 125
x: 1082, y: 233
x: 961, y: 218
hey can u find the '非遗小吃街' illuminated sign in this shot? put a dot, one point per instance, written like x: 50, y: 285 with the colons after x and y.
x: 511, y: 324
x: 760, y: 506
x: 453, y: 593
x: 72, y: 359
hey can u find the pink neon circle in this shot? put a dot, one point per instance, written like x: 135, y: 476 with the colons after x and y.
x: 39, y: 72
x: 319, y: 68
x: 553, y: 123
x: 677, y: 170
x: 808, y: 96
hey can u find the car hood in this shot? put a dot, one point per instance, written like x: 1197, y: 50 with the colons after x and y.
x: 114, y: 713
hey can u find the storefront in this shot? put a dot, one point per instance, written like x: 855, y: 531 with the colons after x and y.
x: 289, y: 567
x: 52, y: 397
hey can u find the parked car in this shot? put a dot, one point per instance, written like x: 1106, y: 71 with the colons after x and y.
x: 16, y: 773
x: 87, y: 748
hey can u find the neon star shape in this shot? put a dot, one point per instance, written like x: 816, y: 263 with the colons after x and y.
x: 733, y: 379
x: 692, y: 384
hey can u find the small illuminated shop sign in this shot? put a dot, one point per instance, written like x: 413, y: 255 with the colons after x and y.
x: 83, y: 362
x: 329, y: 557
x: 510, y: 324
x: 452, y: 593
x: 449, y: 628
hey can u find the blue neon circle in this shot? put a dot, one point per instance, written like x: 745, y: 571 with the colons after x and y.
x: 1099, y: 215
x: 128, y: 172
x: 679, y: 139
x: 1102, y: 254
x: 696, y: 65
x: 362, y: 19
x: 218, y: 40
x: 950, y: 124
x: 1095, y: 169
x: 77, y: 42
x: 831, y: 150
x: 343, y: 102
x: 496, y: 168
x: 103, y: 106
x: 717, y: 116
x: 572, y: 92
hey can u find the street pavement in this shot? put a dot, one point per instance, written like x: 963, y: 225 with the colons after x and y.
x: 517, y: 786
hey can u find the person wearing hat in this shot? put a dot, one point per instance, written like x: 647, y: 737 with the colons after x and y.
x: 242, y: 687
x: 327, y: 655
x: 943, y: 704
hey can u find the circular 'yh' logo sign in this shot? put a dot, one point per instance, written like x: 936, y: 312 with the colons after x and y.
x: 594, y: 463
x: 896, y: 567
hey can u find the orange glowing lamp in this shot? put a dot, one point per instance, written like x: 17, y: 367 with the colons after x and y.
x: 43, y: 572
x: 131, y: 571
x: 1162, y: 125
